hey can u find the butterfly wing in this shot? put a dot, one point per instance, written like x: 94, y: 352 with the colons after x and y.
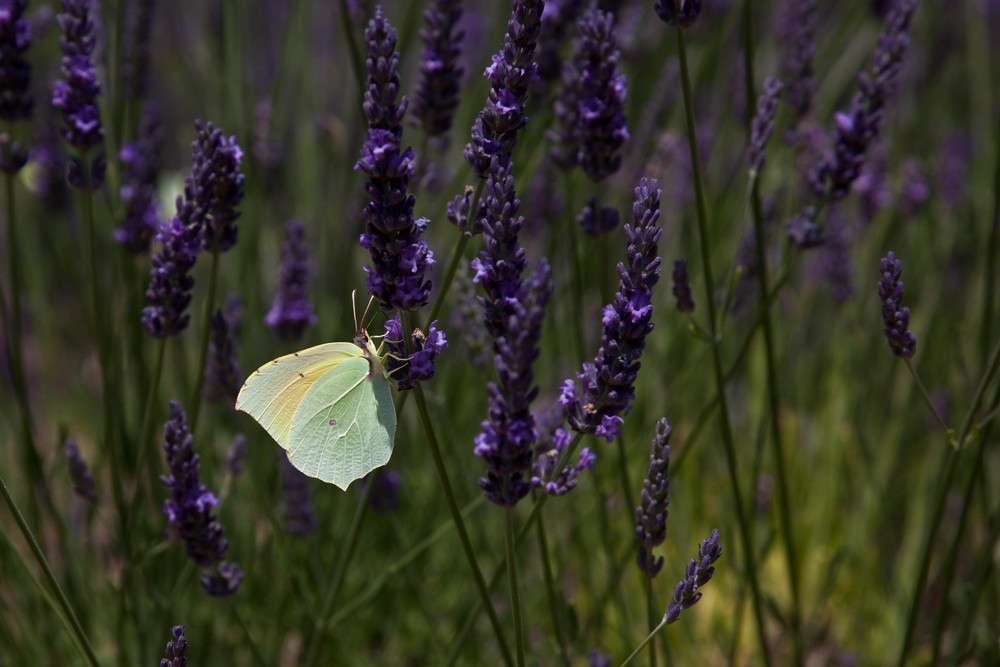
x: 345, y: 425
x: 272, y: 394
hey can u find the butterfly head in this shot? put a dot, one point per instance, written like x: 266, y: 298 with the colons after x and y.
x: 371, y: 353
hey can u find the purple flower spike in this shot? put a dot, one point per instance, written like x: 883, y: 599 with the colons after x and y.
x: 682, y: 287
x: 798, y: 64
x: 895, y: 316
x: 678, y: 12
x: 291, y: 313
x: 548, y: 454
x: 189, y: 508
x: 175, y: 654
x: 699, y: 572
x: 597, y: 223
x: 297, y: 502
x: 75, y: 95
x: 408, y: 368
x: 15, y: 72
x: 762, y: 124
x: 437, y: 95
x: 83, y: 481
x: 400, y: 258
x: 215, y: 187
x: 592, y: 110
x: 651, y: 515
x: 170, y: 283
x: 222, y: 370
x: 140, y: 167
x: 508, y: 437
x: 494, y: 132
x: 607, y: 383
x: 858, y: 127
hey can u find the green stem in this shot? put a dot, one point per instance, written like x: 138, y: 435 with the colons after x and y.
x: 720, y: 384
x: 649, y: 638
x: 206, y: 334
x: 339, y: 572
x: 939, y: 502
x: 76, y: 630
x: 456, y: 515
x: 773, y: 391
x: 983, y: 571
x: 929, y: 402
x: 515, y: 594
x: 555, y: 603
x: 456, y: 257
x: 145, y: 434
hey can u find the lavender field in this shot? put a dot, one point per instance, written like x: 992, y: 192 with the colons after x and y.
x: 679, y: 318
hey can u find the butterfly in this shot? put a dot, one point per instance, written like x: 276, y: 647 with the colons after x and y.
x: 330, y: 406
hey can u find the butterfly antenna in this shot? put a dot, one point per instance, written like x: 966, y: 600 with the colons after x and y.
x: 365, y: 314
x: 354, y: 308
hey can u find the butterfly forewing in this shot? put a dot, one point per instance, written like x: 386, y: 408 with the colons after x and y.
x: 274, y: 391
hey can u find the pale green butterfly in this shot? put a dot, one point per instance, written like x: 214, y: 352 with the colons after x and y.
x: 329, y: 406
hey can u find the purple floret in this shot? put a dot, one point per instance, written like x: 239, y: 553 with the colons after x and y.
x: 75, y: 94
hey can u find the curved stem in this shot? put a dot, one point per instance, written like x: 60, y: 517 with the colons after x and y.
x: 67, y: 610
x: 649, y: 638
x: 456, y: 515
x: 340, y: 570
x: 206, y: 334
x: 650, y: 616
x: 515, y: 594
x: 750, y: 568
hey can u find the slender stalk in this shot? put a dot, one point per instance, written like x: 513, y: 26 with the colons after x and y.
x: 515, y: 594
x: 456, y: 515
x: 983, y: 571
x: 720, y: 382
x: 248, y: 636
x: 312, y: 652
x: 456, y: 257
x: 206, y: 334
x: 555, y: 603
x: 76, y: 630
x: 145, y: 429
x: 649, y: 638
x: 930, y: 540
x: 770, y: 357
x: 930, y: 403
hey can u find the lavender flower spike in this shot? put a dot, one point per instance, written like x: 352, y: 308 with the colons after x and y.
x: 682, y: 287
x: 15, y: 72
x: 651, y: 515
x: 894, y: 315
x: 75, y: 95
x: 798, y: 62
x: 215, y: 187
x: 170, y: 283
x: 189, y: 508
x: 762, y: 124
x: 494, y: 132
x: 599, y: 90
x: 678, y: 12
x: 437, y: 95
x: 83, y: 481
x: 400, y: 258
x: 607, y: 382
x: 140, y: 166
x: 699, y: 572
x: 175, y: 655
x: 291, y: 313
x: 857, y: 129
x: 416, y: 364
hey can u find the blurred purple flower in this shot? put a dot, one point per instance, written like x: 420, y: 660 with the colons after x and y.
x: 297, y: 503
x: 385, y: 495
x: 678, y: 12
x: 467, y: 309
x: 598, y: 659
x: 832, y: 263
x: 608, y: 382
x: 803, y: 232
x: 894, y: 315
x: 699, y: 572
x: 682, y: 287
x: 872, y: 184
x: 83, y: 481
x: 800, y: 36
x: 175, y: 654
x: 75, y: 95
x: 916, y: 190
x: 549, y: 451
x: 440, y: 75
x: 400, y: 258
x: 135, y: 45
x: 858, y: 127
x: 651, y: 515
x: 236, y: 455
x: 953, y: 162
x: 597, y: 222
x: 494, y: 132
x: 214, y: 188
x: 15, y: 71
x: 189, y: 508
x: 408, y: 367
x: 140, y: 167
x: 291, y: 313
x: 222, y: 369
x: 557, y: 18
x: 762, y: 124
x: 170, y: 283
